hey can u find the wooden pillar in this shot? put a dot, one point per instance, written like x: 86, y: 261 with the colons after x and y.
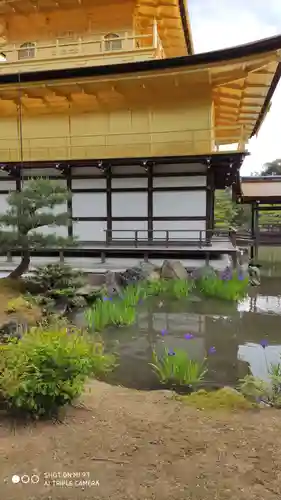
x: 68, y: 174
x: 150, y: 203
x: 254, y: 230
x: 256, y: 253
x: 210, y: 204
x: 109, y: 204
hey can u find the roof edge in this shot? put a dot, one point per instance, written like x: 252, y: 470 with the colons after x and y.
x: 267, y: 101
x: 186, y: 26
x: 262, y: 178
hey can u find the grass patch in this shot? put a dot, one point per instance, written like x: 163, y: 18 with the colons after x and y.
x: 230, y: 285
x: 224, y: 399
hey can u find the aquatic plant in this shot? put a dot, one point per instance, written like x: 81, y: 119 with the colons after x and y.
x: 174, y: 288
x: 109, y: 312
x: 133, y: 294
x: 180, y: 288
x: 230, y: 285
x: 176, y: 367
x: 156, y: 287
x: 98, y: 316
x: 121, y: 315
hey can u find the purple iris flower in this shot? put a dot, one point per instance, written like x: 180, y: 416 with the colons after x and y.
x: 212, y: 350
x: 264, y: 343
x: 164, y: 332
x: 171, y: 353
x: 226, y: 274
x: 240, y: 277
x: 188, y: 336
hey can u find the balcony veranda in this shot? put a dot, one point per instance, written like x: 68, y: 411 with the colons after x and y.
x: 87, y: 50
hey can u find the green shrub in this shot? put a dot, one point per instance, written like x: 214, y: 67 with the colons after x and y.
x: 47, y: 369
x: 55, y: 277
x: 228, y: 286
x: 176, y: 367
x: 257, y: 389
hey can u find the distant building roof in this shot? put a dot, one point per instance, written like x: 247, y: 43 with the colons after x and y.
x: 266, y: 189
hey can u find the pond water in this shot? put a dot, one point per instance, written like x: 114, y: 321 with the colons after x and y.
x: 233, y: 330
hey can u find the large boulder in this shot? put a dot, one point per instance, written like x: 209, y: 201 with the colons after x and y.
x: 204, y: 272
x: 12, y: 330
x: 173, y: 270
x: 89, y: 292
x: 130, y: 276
x: 149, y: 270
x: 112, y: 284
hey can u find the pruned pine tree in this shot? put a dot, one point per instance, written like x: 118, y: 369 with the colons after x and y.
x: 28, y: 211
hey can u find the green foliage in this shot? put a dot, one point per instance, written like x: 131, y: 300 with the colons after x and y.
x: 223, y: 399
x: 175, y: 367
x: 228, y: 213
x: 253, y: 388
x: 229, y: 285
x: 53, y: 277
x: 47, y: 369
x: 54, y: 282
x: 28, y: 211
x: 256, y: 389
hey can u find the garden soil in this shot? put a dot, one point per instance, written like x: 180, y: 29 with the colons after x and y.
x: 126, y: 444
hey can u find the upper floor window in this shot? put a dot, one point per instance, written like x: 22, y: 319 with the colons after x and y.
x: 112, y: 42
x: 26, y: 50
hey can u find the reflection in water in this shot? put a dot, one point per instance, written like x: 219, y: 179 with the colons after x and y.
x: 234, y: 330
x: 259, y: 358
x: 261, y: 304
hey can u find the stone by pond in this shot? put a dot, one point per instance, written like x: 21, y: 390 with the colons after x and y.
x: 231, y: 334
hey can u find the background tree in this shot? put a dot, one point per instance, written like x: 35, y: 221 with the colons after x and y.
x: 29, y: 210
x: 228, y: 213
x: 271, y: 168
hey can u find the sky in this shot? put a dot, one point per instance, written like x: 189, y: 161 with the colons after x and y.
x: 217, y: 24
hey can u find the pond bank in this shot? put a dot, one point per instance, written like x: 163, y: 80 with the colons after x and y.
x: 153, y: 448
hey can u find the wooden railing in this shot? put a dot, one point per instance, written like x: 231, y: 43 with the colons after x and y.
x: 188, y: 237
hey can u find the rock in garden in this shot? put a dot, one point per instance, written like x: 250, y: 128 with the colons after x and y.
x: 148, y: 269
x: 131, y: 276
x: 173, y: 270
x: 112, y: 284
x: 12, y: 329
x: 204, y: 272
x: 89, y: 292
x: 154, y: 276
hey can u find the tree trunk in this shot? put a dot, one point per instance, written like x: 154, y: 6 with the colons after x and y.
x: 22, y: 267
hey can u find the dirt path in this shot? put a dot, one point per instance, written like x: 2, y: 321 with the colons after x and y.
x: 157, y: 449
